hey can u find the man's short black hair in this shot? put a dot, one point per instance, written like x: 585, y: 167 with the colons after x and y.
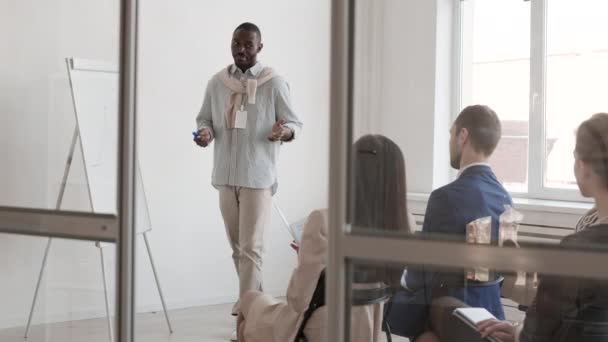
x: 249, y: 27
x: 483, y: 125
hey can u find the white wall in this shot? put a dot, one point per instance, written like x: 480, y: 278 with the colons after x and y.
x: 182, y: 43
x: 409, y: 73
x: 409, y: 44
x: 446, y: 103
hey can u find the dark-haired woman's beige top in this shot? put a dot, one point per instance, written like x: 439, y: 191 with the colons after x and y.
x: 268, y: 319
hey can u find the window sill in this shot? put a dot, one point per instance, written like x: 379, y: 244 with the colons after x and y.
x: 527, y: 204
x: 551, y: 206
x: 562, y: 214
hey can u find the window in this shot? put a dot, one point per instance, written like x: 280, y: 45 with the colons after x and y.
x: 577, y: 70
x: 542, y: 65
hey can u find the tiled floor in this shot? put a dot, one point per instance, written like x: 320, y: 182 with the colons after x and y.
x: 201, y: 324
x: 208, y: 324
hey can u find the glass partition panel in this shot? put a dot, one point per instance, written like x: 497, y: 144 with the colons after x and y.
x: 459, y: 304
x: 64, y: 290
x: 59, y: 105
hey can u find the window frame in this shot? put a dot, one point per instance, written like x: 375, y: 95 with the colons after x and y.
x: 537, y: 95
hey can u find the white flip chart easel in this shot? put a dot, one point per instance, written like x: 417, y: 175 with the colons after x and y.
x: 94, y: 87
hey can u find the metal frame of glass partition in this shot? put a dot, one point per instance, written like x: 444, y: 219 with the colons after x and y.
x: 62, y: 224
x: 101, y: 227
x: 125, y: 328
x: 345, y: 248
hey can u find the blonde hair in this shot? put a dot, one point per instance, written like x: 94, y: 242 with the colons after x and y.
x: 592, y: 144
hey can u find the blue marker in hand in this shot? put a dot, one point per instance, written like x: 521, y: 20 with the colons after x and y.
x: 196, y: 134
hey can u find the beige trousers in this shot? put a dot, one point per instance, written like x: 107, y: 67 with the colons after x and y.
x: 246, y: 212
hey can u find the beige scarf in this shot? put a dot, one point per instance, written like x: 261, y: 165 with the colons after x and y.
x: 240, y: 90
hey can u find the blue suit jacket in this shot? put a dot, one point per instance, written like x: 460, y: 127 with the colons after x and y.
x: 475, y: 194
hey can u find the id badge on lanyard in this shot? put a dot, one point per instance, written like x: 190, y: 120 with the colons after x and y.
x: 240, y: 122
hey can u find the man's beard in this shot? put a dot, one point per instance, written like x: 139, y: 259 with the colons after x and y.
x: 455, y: 160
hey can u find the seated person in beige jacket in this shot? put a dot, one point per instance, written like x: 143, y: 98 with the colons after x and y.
x: 380, y: 191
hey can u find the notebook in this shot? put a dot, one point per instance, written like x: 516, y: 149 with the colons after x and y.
x: 473, y: 316
x: 296, y: 230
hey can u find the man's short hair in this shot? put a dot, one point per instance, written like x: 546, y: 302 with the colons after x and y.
x: 249, y: 27
x: 483, y: 125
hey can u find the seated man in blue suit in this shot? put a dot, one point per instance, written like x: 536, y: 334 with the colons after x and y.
x: 476, y: 193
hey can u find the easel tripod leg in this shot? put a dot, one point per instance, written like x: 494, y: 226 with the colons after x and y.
x: 46, y: 254
x: 160, y: 291
x: 64, y: 179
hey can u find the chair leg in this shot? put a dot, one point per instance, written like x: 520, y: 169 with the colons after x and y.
x: 385, y: 325
x: 387, y: 329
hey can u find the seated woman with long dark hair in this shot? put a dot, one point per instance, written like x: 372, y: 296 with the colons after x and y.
x: 380, y: 204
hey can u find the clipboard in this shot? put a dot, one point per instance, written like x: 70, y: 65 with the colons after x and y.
x: 296, y: 229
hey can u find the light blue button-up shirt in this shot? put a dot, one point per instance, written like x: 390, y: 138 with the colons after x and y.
x: 245, y: 157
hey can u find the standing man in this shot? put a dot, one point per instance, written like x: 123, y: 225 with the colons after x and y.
x: 247, y: 112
